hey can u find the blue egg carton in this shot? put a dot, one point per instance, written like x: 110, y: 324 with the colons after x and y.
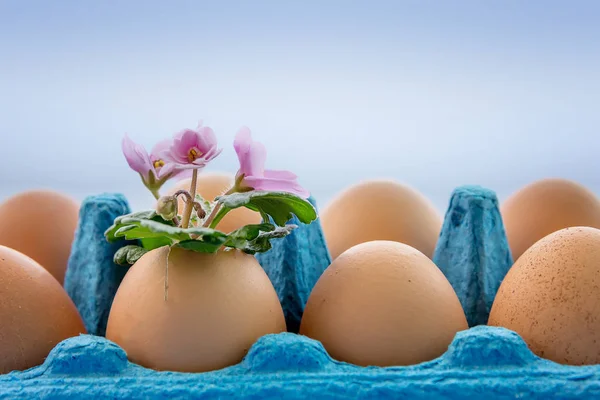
x: 481, y: 362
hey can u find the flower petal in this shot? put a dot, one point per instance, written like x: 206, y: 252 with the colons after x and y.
x: 276, y: 185
x: 242, y: 142
x: 183, y: 174
x: 203, y: 141
x: 191, y: 166
x: 206, y: 139
x: 212, y: 154
x: 252, y: 155
x: 275, y: 174
x: 182, y: 143
x: 136, y: 157
x: 166, y: 170
x: 159, y: 148
x: 254, y: 162
x: 189, y: 139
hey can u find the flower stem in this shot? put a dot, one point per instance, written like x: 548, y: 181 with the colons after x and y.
x: 186, y: 194
x: 212, y: 215
x: 215, y: 211
x: 187, y: 211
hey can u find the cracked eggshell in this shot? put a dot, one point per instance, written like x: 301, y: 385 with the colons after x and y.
x: 551, y: 297
x: 380, y: 210
x: 383, y: 303
x: 218, y: 305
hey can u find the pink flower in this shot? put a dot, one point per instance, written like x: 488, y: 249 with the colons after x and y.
x: 252, y: 174
x: 190, y: 149
x: 138, y: 159
x: 159, y: 163
x: 149, y: 166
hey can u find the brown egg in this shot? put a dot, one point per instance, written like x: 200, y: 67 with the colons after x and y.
x: 383, y: 303
x: 218, y: 305
x: 35, y: 312
x: 380, y: 210
x: 544, y: 207
x: 40, y: 224
x: 209, y: 186
x: 551, y: 297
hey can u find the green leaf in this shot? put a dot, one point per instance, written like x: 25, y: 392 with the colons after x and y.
x: 257, y: 238
x: 263, y: 242
x: 200, y: 246
x: 280, y: 206
x: 205, y: 233
x: 240, y: 237
x: 154, y: 232
x: 204, y: 240
x: 147, y: 228
x: 149, y: 225
x: 155, y: 242
x: 128, y: 255
x: 123, y: 220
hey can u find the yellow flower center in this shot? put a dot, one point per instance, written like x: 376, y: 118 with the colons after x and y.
x: 158, y: 164
x: 194, y: 154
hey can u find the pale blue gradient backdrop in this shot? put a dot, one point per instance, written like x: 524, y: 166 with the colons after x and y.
x: 435, y: 94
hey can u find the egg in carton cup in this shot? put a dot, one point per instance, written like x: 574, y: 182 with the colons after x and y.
x: 189, y: 320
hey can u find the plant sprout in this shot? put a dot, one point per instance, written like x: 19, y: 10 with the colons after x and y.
x: 276, y: 195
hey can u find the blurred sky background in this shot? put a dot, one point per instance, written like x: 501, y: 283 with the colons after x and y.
x: 435, y: 94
